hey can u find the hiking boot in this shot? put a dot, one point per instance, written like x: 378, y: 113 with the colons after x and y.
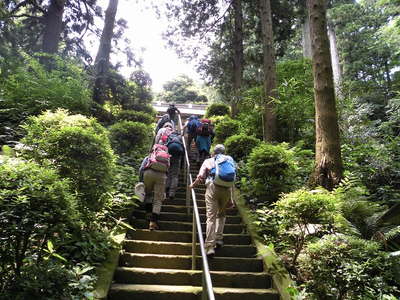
x: 153, y: 225
x: 210, y: 252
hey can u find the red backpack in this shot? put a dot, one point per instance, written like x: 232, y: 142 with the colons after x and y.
x: 164, y: 137
x: 158, y: 158
x: 204, y: 128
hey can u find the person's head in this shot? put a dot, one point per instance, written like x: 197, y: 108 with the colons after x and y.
x: 168, y: 124
x: 219, y: 149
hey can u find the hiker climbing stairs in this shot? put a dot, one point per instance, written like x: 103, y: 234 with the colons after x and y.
x: 156, y: 265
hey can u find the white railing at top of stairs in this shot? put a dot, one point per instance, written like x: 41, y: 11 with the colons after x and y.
x: 208, y: 292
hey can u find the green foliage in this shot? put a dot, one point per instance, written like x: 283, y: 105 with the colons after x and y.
x: 251, y: 122
x: 31, y: 89
x: 376, y: 164
x: 303, y: 213
x: 78, y: 147
x: 35, y: 205
x: 135, y: 116
x: 304, y: 207
x: 52, y: 280
x: 217, y: 109
x: 144, y: 108
x: 226, y: 128
x: 295, y: 104
x: 240, y: 146
x: 126, y: 136
x: 344, y: 267
x: 272, y: 170
x: 367, y: 74
x: 181, y: 90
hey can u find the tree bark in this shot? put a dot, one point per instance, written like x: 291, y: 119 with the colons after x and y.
x: 103, y: 55
x: 238, y: 56
x: 328, y: 162
x: 270, y: 91
x: 53, y: 26
x: 337, y: 71
x: 306, y: 40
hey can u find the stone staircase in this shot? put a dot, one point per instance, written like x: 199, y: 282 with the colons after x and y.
x: 156, y: 265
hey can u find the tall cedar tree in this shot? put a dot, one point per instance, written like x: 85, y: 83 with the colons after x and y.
x: 270, y: 91
x: 238, y: 54
x: 103, y: 55
x: 53, y: 26
x: 328, y: 162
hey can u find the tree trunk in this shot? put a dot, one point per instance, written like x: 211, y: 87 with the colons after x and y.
x: 328, y: 162
x: 103, y: 55
x: 306, y: 40
x: 270, y: 91
x: 53, y: 26
x: 337, y: 72
x: 238, y: 55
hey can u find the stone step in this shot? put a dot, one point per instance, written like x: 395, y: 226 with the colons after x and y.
x: 190, y: 277
x: 202, y: 210
x: 164, y: 261
x: 182, y: 195
x: 182, y: 202
x: 183, y: 236
x: 182, y: 189
x: 177, y: 292
x: 157, y: 247
x: 185, y: 226
x: 171, y: 216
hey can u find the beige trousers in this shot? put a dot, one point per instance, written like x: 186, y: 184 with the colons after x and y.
x: 216, y: 200
x: 154, y: 184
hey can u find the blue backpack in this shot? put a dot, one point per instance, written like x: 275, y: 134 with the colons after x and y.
x: 175, y: 144
x: 192, y: 125
x: 225, y: 171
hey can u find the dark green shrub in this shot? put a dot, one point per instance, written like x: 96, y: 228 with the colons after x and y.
x: 217, y: 109
x: 52, y: 280
x: 240, y: 146
x: 272, y: 170
x: 126, y: 136
x: 79, y: 148
x: 31, y: 89
x: 135, y: 116
x: 226, y: 128
x: 299, y: 210
x: 148, y: 109
x: 343, y: 267
x: 36, y: 205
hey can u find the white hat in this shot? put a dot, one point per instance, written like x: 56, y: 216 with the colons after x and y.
x: 219, y: 149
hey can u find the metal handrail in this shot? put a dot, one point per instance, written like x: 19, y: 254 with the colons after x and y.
x: 206, y: 278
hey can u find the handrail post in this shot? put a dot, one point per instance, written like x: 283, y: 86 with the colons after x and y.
x: 194, y: 242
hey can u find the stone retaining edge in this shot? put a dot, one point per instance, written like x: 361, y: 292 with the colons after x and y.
x: 272, y: 264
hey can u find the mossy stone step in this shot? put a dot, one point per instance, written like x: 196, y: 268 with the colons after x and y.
x: 176, y: 292
x: 172, y: 216
x: 190, y: 277
x: 157, y: 247
x: 183, y: 236
x: 184, y: 262
x: 202, y: 210
x: 185, y: 226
